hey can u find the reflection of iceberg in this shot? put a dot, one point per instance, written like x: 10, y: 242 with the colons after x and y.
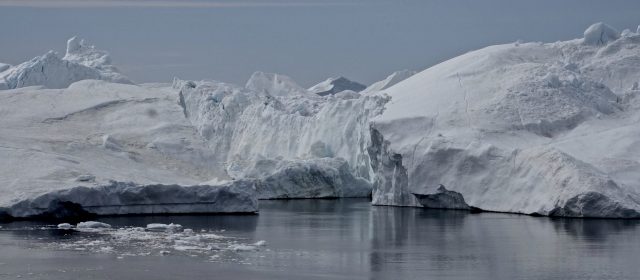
x: 414, y: 243
x: 594, y: 230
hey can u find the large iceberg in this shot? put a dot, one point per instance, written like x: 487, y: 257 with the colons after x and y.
x: 85, y: 143
x: 532, y: 128
x: 80, y: 62
x: 98, y: 147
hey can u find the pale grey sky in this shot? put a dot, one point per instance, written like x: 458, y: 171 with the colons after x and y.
x: 309, y: 40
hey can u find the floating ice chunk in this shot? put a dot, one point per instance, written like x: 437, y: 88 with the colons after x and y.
x: 164, y: 227
x: 242, y: 247
x: 260, y: 243
x: 65, y: 226
x: 600, y: 34
x: 93, y: 225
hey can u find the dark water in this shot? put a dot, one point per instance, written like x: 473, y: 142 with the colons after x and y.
x: 349, y: 239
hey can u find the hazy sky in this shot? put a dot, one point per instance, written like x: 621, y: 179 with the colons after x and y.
x: 309, y: 40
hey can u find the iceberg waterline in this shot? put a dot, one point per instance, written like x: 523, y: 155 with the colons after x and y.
x: 527, y: 128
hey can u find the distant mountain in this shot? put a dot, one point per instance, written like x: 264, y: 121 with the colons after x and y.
x: 335, y: 85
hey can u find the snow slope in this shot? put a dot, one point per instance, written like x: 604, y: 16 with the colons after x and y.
x: 80, y: 62
x: 525, y: 128
x: 389, y: 81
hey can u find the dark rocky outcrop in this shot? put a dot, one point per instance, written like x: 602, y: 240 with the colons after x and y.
x: 443, y: 199
x: 593, y: 205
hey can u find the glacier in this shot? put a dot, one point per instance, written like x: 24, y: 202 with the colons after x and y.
x: 532, y: 128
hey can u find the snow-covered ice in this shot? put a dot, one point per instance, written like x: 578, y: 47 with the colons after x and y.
x: 600, y: 34
x: 123, y: 242
x: 65, y: 226
x: 80, y: 62
x: 164, y: 227
x: 251, y: 130
x: 389, y: 81
x: 112, y: 148
x: 527, y: 128
x: 535, y: 128
x: 92, y: 225
x: 335, y: 85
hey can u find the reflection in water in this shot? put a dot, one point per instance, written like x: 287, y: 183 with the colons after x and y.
x: 593, y: 230
x: 460, y: 245
x: 349, y: 239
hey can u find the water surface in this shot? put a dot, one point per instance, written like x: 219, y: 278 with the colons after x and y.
x: 347, y: 239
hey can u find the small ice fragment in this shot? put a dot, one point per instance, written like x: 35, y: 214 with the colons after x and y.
x: 260, y: 243
x: 93, y: 225
x: 242, y: 247
x: 164, y: 227
x: 65, y: 226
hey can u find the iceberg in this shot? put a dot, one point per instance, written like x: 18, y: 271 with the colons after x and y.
x: 332, y: 86
x: 528, y: 128
x: 80, y: 62
x: 533, y: 128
